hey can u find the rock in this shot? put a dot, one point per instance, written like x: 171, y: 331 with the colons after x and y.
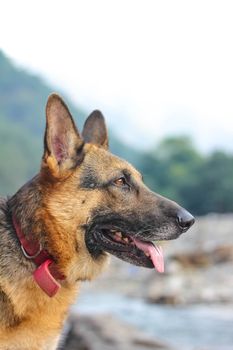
x: 104, y: 332
x: 202, y: 258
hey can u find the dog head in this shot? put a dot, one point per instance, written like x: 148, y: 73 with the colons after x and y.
x: 95, y: 203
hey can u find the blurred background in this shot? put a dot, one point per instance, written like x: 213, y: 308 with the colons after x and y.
x: 161, y: 72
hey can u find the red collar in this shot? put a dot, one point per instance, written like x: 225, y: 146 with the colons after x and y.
x: 46, y: 273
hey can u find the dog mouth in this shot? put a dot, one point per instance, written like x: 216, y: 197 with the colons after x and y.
x: 127, y: 247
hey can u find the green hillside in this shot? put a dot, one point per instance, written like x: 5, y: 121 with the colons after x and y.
x: 22, y: 120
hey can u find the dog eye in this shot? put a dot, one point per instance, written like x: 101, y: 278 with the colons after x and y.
x: 120, y: 182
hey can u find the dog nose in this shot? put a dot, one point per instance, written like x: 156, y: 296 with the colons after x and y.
x: 184, y: 219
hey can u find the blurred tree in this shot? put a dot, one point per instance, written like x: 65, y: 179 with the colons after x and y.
x: 213, y: 191
x: 173, y: 164
x: 200, y: 184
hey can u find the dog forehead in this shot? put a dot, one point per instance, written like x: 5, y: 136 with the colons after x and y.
x: 100, y: 164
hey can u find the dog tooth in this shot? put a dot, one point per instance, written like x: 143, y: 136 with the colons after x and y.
x: 118, y: 233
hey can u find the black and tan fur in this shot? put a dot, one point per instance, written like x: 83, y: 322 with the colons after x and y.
x: 80, y: 193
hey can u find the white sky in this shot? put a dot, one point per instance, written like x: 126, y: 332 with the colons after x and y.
x: 153, y: 67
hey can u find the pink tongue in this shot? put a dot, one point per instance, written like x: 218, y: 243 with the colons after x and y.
x: 155, y: 253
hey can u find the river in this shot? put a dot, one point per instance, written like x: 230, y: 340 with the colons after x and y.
x: 196, y: 327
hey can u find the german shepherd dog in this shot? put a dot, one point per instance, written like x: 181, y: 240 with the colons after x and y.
x: 59, y: 228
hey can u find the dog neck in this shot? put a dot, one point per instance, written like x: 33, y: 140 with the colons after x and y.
x: 24, y: 205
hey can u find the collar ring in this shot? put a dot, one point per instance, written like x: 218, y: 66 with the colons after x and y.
x: 31, y: 257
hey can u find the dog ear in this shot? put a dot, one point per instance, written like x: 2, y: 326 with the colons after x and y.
x: 95, y: 131
x: 62, y: 143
